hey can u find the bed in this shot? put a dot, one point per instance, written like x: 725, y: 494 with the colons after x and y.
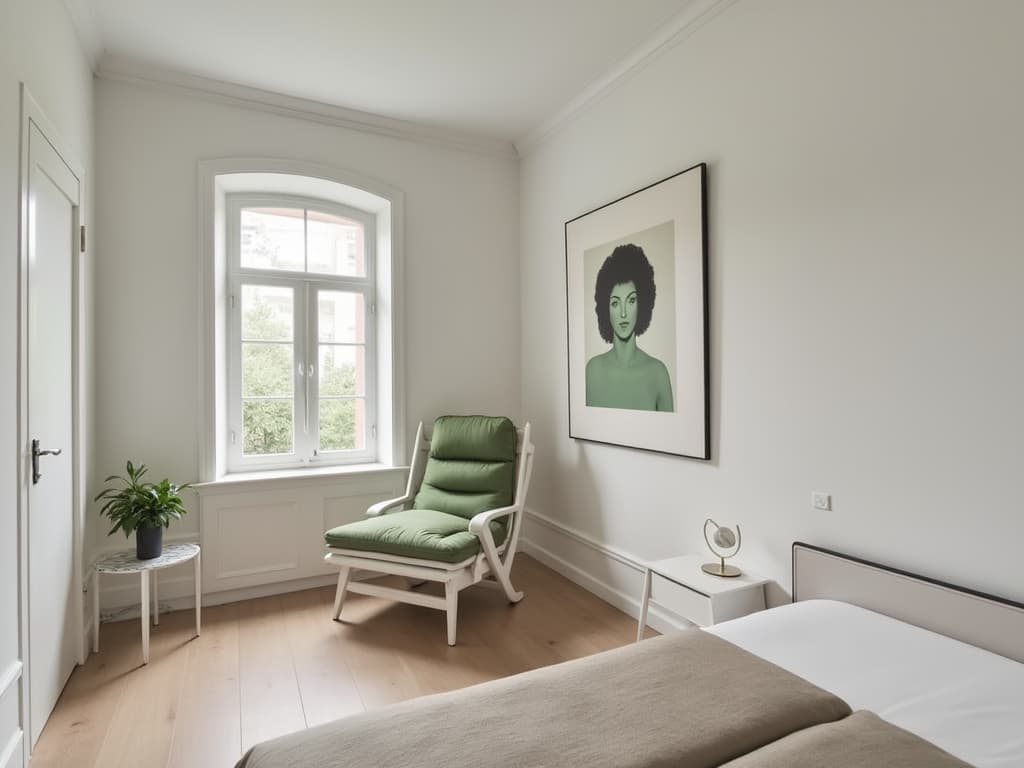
x: 868, y: 666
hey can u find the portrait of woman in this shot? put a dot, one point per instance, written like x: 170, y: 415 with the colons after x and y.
x: 625, y: 376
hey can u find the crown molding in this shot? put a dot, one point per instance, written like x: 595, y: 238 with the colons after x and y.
x: 84, y: 21
x: 126, y: 70
x: 677, y: 29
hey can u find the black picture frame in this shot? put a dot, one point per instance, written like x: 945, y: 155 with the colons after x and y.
x: 641, y: 377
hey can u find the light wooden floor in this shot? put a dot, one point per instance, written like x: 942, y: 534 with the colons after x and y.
x: 275, y: 665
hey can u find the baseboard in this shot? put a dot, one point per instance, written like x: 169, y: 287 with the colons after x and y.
x: 580, y: 558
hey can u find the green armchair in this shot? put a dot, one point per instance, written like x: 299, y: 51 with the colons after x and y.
x: 458, y: 522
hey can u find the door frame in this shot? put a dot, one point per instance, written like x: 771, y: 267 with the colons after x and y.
x: 32, y: 113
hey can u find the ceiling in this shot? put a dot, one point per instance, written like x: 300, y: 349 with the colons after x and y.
x: 493, y: 68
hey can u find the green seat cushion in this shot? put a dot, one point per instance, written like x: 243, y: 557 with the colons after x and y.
x: 425, y: 534
x: 471, y: 466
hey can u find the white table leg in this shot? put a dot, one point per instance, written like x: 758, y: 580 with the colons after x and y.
x: 96, y: 611
x: 199, y: 591
x: 145, y: 617
x: 156, y: 598
x: 642, y: 623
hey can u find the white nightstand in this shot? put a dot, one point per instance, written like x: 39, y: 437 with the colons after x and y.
x: 679, y: 585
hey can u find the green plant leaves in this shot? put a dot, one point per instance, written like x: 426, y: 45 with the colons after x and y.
x: 137, y: 504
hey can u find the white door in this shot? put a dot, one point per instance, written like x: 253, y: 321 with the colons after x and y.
x: 54, y: 608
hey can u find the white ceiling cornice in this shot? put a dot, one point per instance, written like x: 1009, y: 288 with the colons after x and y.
x: 125, y: 70
x: 84, y: 21
x: 674, y: 32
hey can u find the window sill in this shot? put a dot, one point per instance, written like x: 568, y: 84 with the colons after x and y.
x: 286, y: 478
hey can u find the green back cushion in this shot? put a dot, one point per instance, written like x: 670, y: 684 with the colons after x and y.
x: 471, y: 466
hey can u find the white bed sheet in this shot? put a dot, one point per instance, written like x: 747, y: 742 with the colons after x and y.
x: 966, y: 700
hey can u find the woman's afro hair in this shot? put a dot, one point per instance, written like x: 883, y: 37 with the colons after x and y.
x: 627, y: 263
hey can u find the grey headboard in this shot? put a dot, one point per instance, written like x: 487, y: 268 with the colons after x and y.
x: 973, y: 617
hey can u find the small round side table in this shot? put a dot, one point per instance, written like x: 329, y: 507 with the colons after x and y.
x: 126, y: 562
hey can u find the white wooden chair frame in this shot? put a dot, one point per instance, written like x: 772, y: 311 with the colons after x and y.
x: 490, y: 567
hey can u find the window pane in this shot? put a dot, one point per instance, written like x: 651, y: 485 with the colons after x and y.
x: 267, y: 313
x: 336, y: 245
x: 267, y: 370
x: 267, y: 427
x: 342, y: 370
x: 341, y: 316
x: 273, y: 238
x: 342, y: 425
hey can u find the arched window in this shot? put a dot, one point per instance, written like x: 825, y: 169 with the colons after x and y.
x: 303, y: 335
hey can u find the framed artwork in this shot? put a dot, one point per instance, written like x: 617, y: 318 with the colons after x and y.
x: 636, y: 299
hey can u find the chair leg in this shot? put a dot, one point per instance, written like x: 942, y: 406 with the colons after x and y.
x: 339, y: 595
x: 513, y: 595
x: 499, y: 570
x: 451, y: 598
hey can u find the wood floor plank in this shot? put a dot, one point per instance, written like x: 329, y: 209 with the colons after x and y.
x: 367, y: 629
x: 278, y: 664
x: 208, y: 728
x: 82, y: 716
x: 485, y: 617
x: 326, y: 684
x: 268, y: 689
x: 142, y: 727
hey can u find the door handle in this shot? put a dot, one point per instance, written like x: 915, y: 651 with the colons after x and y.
x: 36, y: 453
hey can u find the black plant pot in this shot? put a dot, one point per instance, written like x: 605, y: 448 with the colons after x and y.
x: 149, y: 542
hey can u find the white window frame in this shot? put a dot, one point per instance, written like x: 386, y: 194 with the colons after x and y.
x: 216, y: 179
x: 305, y: 286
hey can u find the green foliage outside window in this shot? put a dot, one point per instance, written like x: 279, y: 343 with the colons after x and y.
x: 267, y: 371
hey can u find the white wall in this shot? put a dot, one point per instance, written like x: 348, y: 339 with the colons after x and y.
x: 37, y: 46
x: 461, y: 272
x: 866, y: 197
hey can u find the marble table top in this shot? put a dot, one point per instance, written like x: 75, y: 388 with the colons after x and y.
x: 127, y: 562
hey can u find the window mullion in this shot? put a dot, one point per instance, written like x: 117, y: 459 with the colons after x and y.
x: 313, y: 324
x: 302, y: 378
x: 235, y: 435
x: 307, y: 440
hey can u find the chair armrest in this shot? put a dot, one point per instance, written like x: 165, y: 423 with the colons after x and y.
x: 481, y: 520
x: 376, y: 510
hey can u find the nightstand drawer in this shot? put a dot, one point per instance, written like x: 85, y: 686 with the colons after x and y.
x: 683, y: 601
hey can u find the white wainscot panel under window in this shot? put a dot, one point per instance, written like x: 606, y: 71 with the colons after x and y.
x: 272, y: 532
x: 255, y: 539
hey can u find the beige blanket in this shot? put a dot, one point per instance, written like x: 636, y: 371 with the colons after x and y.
x: 685, y: 700
x: 862, y: 740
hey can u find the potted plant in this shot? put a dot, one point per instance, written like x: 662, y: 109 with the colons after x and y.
x: 145, y: 508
